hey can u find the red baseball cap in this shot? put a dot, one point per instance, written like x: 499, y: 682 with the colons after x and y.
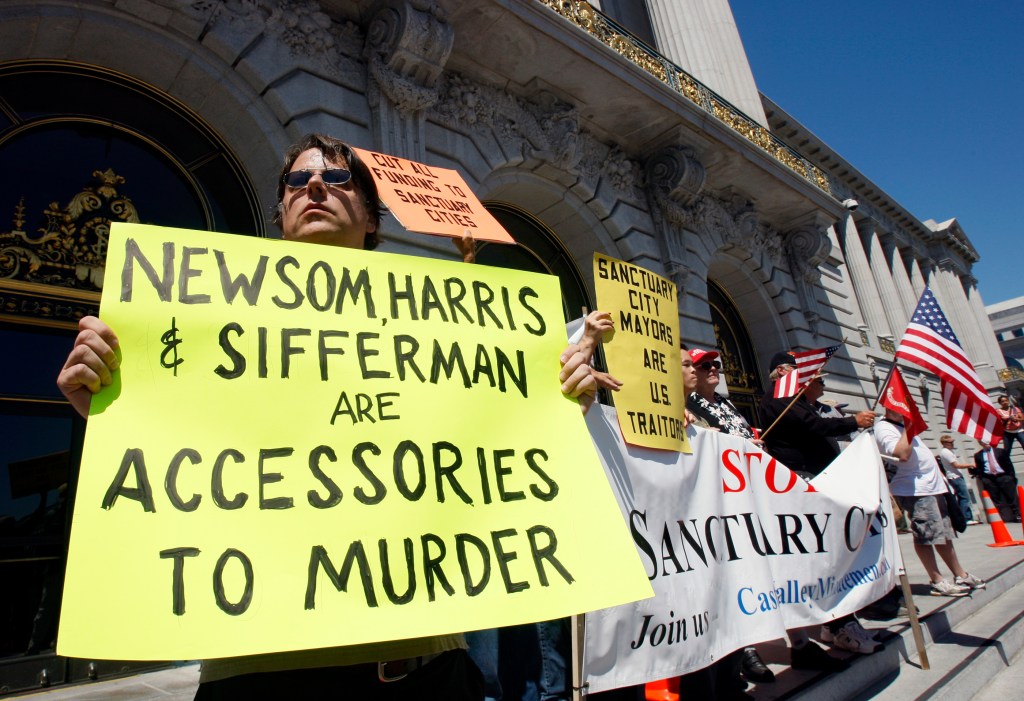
x: 698, y: 355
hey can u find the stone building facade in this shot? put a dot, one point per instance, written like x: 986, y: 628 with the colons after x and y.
x: 579, y: 136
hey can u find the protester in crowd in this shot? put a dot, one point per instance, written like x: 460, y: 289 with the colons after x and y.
x: 993, y: 467
x: 799, y: 440
x: 814, y: 392
x: 951, y: 467
x: 1013, y: 419
x: 920, y: 490
x: 326, y: 195
x: 702, y: 399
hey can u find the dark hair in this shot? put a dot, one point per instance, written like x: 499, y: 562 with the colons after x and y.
x: 337, y: 150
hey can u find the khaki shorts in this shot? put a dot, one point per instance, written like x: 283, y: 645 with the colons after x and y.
x: 929, y: 521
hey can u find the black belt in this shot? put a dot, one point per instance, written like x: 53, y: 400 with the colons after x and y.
x: 395, y: 670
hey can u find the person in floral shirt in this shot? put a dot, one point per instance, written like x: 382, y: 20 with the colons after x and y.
x: 707, y: 404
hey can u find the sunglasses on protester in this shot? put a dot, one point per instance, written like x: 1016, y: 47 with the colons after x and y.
x: 332, y: 176
x: 708, y: 365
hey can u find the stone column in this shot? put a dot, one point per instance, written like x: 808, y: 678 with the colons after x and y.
x: 899, y: 275
x: 863, y: 282
x: 919, y: 275
x: 700, y: 36
x: 953, y: 300
x: 986, y: 336
x: 890, y: 298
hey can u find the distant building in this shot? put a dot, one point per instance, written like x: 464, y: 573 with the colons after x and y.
x: 1008, y: 323
x: 637, y: 132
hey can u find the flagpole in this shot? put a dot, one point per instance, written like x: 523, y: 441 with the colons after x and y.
x: 577, y: 625
x: 799, y: 394
x: 885, y: 384
x: 790, y: 405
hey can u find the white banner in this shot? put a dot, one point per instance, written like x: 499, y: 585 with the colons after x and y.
x: 738, y: 549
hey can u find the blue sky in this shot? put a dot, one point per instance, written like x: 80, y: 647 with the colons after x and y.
x: 925, y: 97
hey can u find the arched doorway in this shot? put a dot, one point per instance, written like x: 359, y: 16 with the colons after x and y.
x: 538, y: 250
x: 82, y: 147
x: 739, y: 360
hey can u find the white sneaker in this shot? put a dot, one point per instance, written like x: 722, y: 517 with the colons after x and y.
x: 944, y: 588
x: 861, y: 631
x: 970, y: 581
x: 848, y: 638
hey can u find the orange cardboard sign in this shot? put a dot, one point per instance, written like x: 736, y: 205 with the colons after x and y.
x: 431, y: 200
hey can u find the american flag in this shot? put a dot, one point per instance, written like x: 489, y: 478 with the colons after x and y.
x: 929, y: 342
x: 786, y: 386
x: 809, y: 362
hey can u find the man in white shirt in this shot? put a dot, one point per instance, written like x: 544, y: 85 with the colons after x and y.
x: 951, y: 467
x: 919, y: 490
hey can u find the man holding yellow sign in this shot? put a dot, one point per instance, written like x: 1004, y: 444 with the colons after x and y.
x: 398, y: 639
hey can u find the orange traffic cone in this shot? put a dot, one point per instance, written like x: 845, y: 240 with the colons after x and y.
x: 662, y: 690
x: 1020, y: 501
x: 999, y: 532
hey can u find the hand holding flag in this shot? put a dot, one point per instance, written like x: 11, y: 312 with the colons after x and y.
x: 808, y: 365
x: 786, y: 385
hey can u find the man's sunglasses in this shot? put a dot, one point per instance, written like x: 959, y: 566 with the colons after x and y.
x: 332, y: 176
x: 708, y: 365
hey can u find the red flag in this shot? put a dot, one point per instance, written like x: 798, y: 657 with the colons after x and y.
x: 897, y: 397
x: 808, y: 363
x: 786, y: 386
x: 929, y: 341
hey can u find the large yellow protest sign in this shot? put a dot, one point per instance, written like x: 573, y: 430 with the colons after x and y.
x: 644, y: 354
x: 307, y: 446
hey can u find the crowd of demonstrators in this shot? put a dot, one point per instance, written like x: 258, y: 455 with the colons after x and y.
x: 993, y: 467
x: 326, y: 195
x: 920, y: 490
x: 798, y: 437
x: 1013, y: 422
x: 953, y: 468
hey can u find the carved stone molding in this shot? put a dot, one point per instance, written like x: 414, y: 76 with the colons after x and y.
x: 300, y: 25
x: 542, y: 128
x: 678, y: 172
x: 807, y: 247
x: 407, y: 45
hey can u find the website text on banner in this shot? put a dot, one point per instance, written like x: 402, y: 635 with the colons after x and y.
x: 310, y: 447
x: 431, y: 200
x: 644, y: 353
x: 738, y: 549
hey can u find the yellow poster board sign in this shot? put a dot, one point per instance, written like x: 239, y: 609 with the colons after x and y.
x: 307, y: 447
x: 644, y: 353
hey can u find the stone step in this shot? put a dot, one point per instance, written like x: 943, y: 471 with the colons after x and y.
x: 968, y: 640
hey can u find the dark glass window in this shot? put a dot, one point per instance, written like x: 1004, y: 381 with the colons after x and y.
x: 739, y: 362
x: 537, y: 250
x: 80, y: 146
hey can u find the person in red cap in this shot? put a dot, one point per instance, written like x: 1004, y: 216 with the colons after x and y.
x: 706, y: 403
